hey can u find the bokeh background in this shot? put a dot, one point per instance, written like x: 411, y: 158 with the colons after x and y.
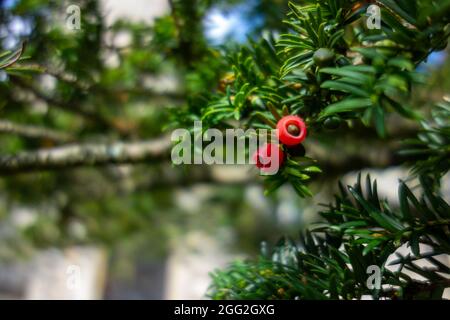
x: 148, y: 230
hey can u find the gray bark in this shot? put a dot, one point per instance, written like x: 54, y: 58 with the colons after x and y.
x: 33, y: 131
x: 77, y: 155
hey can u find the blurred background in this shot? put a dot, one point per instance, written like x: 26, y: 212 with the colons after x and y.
x: 147, y: 230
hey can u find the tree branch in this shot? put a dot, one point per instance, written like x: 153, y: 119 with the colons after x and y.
x: 77, y: 155
x: 33, y: 132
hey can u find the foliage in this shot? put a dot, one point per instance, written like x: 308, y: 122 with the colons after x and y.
x: 99, y: 84
x: 369, y: 74
x: 432, y: 145
x: 331, y: 65
x: 331, y: 259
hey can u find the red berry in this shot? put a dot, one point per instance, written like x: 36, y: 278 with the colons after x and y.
x: 269, y: 158
x: 291, y: 130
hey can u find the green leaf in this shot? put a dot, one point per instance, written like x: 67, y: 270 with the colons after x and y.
x: 297, y: 173
x: 414, y: 244
x: 363, y: 78
x: 401, y: 63
x: 346, y: 105
x: 384, y: 220
x: 301, y: 189
x: 379, y: 121
x: 372, y: 245
x: 273, y: 111
x: 339, y: 86
x: 404, y: 205
x: 352, y: 224
x: 398, y: 10
x: 403, y: 110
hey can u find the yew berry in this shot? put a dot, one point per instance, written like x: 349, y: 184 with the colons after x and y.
x: 291, y: 130
x: 269, y: 157
x: 323, y: 57
x: 332, y: 123
x: 297, y: 151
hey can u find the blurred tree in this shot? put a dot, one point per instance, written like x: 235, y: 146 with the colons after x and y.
x: 73, y: 100
x: 83, y: 116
